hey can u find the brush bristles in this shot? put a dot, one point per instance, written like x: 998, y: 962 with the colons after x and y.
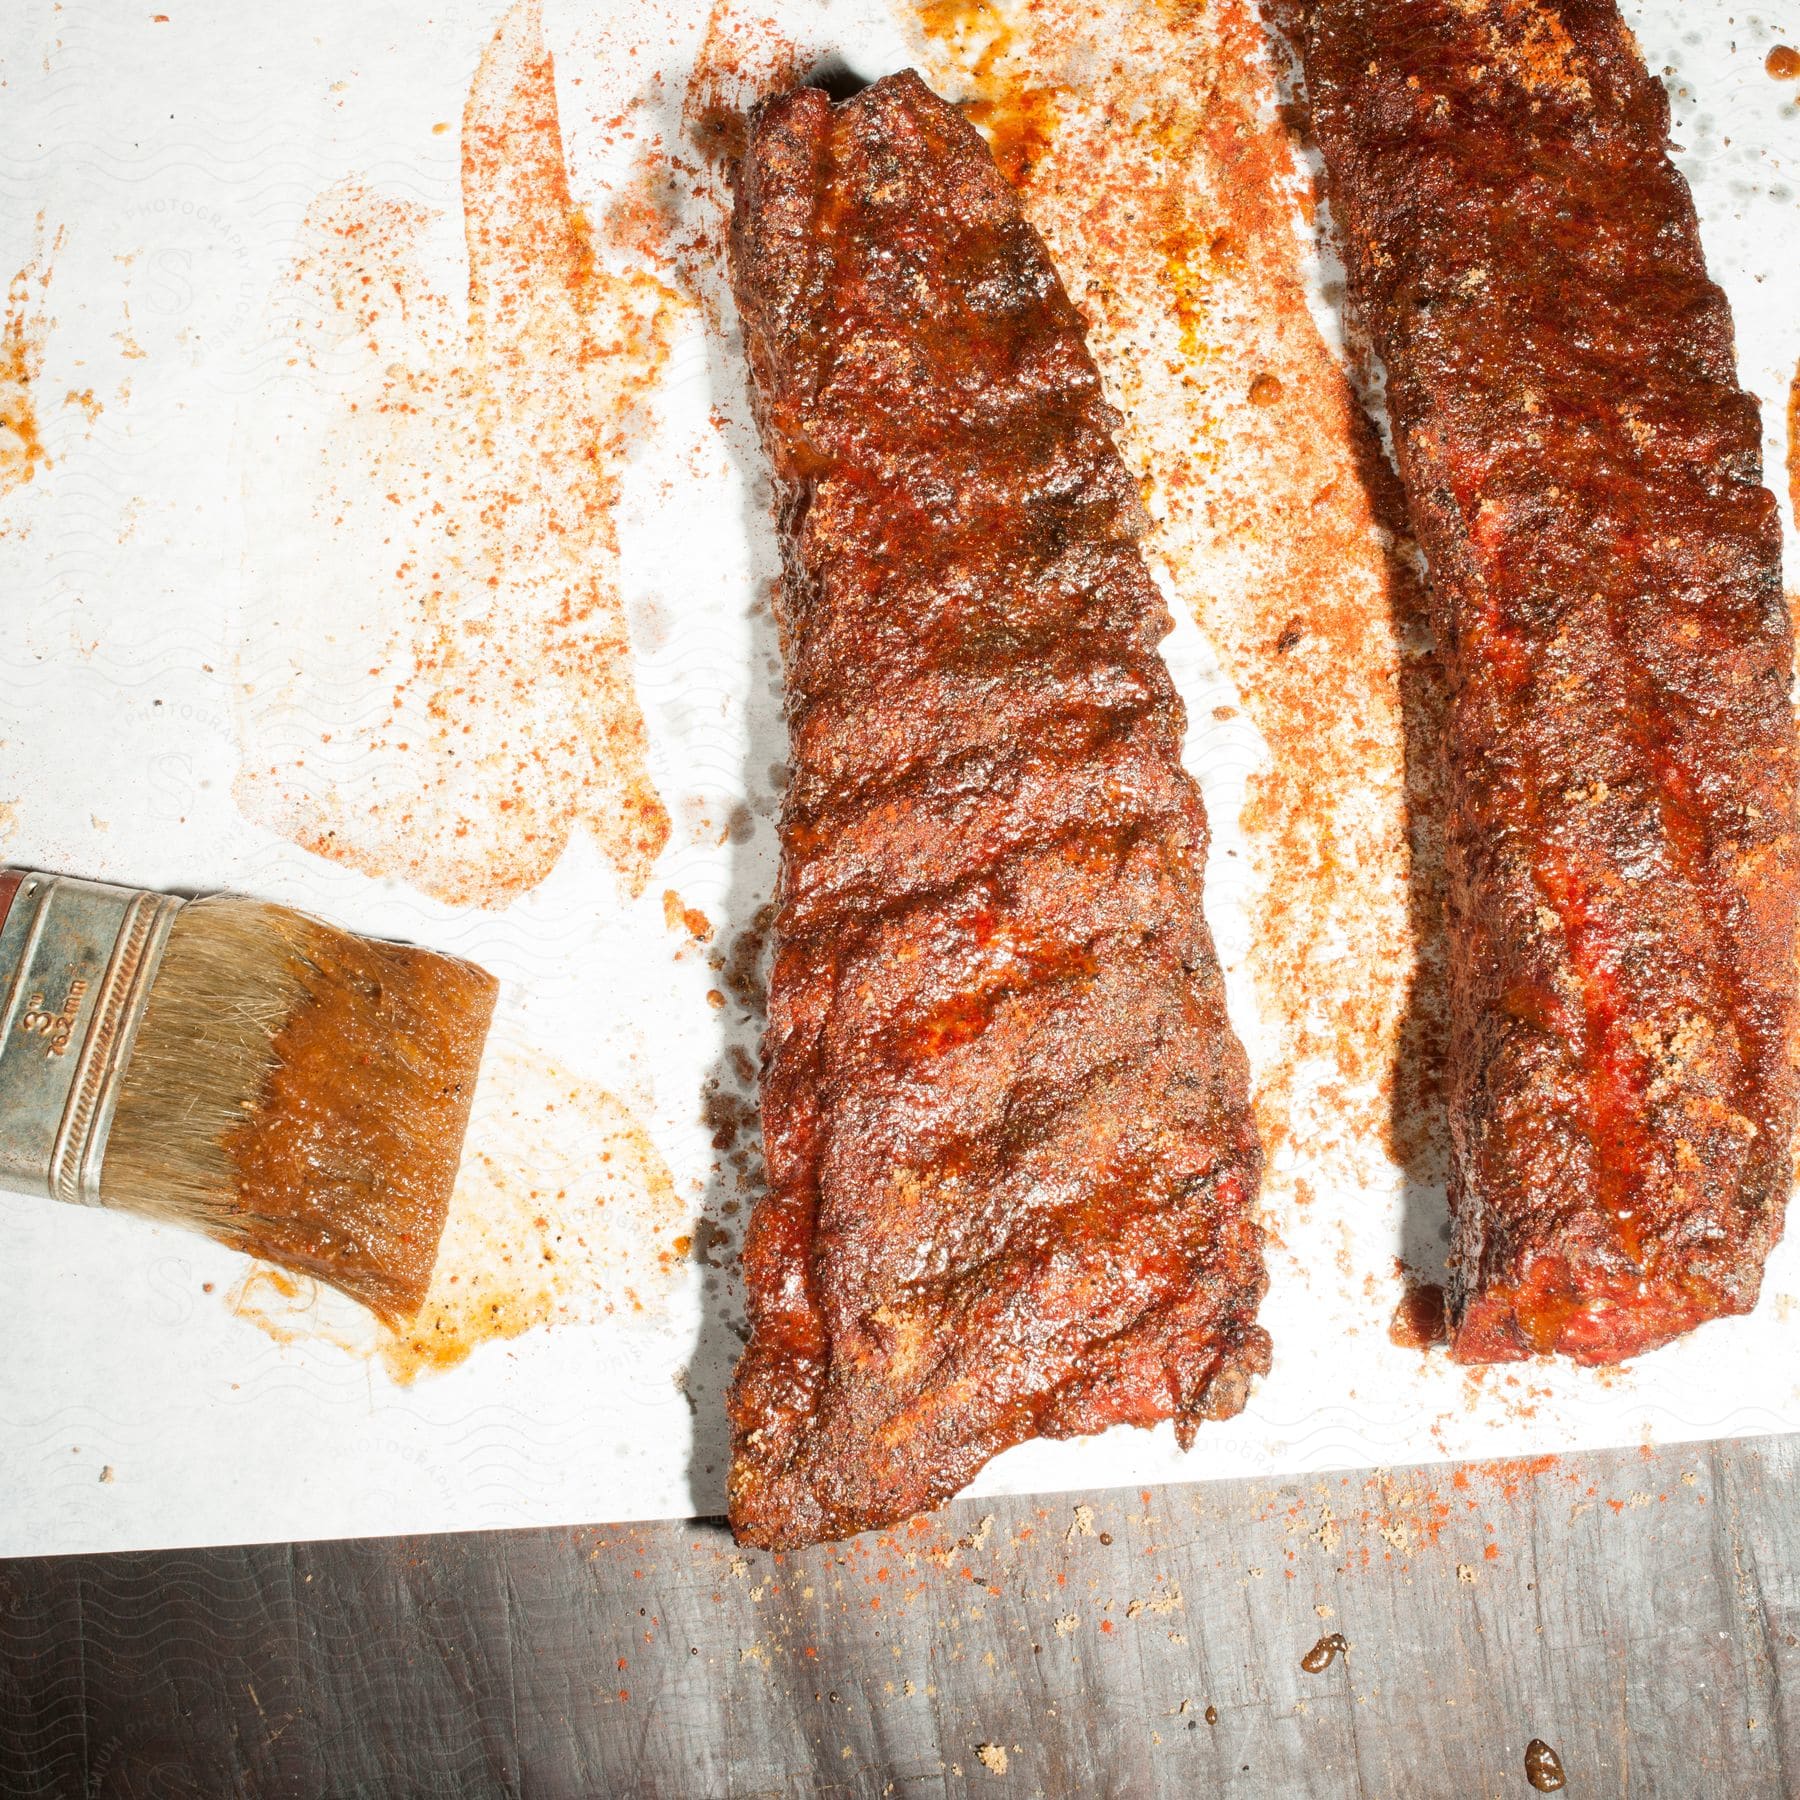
x: 301, y: 1094
x: 226, y: 985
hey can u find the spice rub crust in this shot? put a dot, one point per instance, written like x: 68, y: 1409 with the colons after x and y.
x: 1012, y: 1168
x: 1584, y: 477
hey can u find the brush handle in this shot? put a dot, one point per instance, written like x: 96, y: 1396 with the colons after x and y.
x: 77, y: 961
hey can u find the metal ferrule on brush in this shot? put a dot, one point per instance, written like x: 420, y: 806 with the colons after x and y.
x: 77, y: 960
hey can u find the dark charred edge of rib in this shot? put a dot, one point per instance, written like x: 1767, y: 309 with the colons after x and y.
x: 784, y: 1507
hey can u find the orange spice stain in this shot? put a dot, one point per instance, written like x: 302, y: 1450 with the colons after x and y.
x: 1017, y: 117
x: 1171, y: 200
x: 282, y: 1286
x: 281, y: 1306
x: 22, y: 340
x: 444, y: 694
x: 679, y: 916
x: 564, y: 1214
x: 1793, y: 447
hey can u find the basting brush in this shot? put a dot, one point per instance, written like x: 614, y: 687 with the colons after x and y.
x: 293, y: 1090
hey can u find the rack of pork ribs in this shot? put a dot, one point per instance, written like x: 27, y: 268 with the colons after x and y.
x: 1012, y: 1170
x: 1011, y: 1164
x: 1584, y: 480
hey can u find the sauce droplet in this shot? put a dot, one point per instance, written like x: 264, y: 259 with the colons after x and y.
x: 1419, y: 1320
x: 1543, y: 1767
x: 1325, y: 1652
x: 1212, y: 1715
x: 1265, y: 390
x: 1783, y: 62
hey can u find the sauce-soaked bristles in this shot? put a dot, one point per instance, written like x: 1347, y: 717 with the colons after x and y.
x: 301, y: 1094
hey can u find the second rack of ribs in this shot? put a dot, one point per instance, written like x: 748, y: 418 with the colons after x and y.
x: 1584, y: 478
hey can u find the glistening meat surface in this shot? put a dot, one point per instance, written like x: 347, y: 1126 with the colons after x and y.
x: 1585, y: 480
x: 1011, y: 1165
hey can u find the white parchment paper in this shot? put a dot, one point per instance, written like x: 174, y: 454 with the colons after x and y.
x: 168, y: 586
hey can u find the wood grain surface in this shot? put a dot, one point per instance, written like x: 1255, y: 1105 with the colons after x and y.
x: 1637, y: 1610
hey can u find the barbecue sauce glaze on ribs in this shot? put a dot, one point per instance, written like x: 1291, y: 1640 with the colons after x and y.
x: 1011, y: 1164
x: 1584, y: 477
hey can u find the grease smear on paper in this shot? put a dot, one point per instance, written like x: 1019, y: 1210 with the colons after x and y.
x: 441, y: 691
